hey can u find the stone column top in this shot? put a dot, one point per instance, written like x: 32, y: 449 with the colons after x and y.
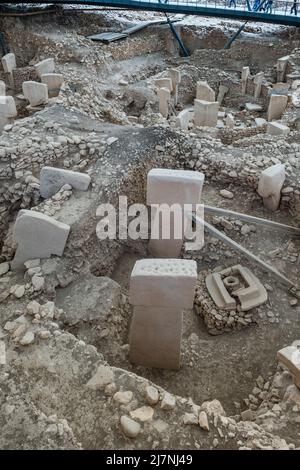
x: 165, y: 267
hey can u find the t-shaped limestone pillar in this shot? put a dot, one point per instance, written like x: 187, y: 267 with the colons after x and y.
x: 171, y: 187
x: 245, y: 76
x: 269, y: 186
x: 164, y: 97
x: 159, y: 291
x: 205, y: 92
x: 38, y: 236
x: 53, y: 81
x: 221, y: 94
x: 36, y: 93
x: 281, y: 68
x: 205, y: 113
x: 9, y: 62
x: 176, y: 79
x: 277, y: 105
x: 258, y: 79
x: 52, y: 180
x: 45, y: 66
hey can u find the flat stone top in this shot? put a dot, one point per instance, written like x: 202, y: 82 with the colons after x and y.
x: 41, y: 217
x: 165, y: 267
x: 163, y: 173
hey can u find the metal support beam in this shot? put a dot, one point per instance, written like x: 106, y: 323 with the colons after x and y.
x: 253, y: 220
x: 233, y: 38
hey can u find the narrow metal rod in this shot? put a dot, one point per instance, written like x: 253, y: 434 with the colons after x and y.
x: 240, y: 249
x: 252, y: 219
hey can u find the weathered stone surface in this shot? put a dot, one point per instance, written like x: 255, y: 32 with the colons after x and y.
x: 166, y: 283
x: 144, y: 413
x: 7, y: 107
x: 53, y: 179
x: 203, y: 421
x: 45, y: 66
x: 102, y: 377
x: 205, y: 92
x: 151, y: 395
x: 9, y: 62
x: 221, y: 94
x: 129, y: 427
x: 276, y: 128
x: 269, y: 186
x: 183, y: 119
x: 2, y: 88
x: 253, y: 107
x: 174, y: 186
x: 53, y: 81
x: 205, y: 113
x: 245, y: 76
x: 38, y: 236
x: 164, y: 97
x: 4, y: 268
x: 290, y: 357
x: 165, y: 82
x: 277, y: 106
x: 36, y: 93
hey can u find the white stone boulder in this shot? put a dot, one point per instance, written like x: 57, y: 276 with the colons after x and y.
x: 37, y: 236
x: 183, y: 119
x: 53, y: 179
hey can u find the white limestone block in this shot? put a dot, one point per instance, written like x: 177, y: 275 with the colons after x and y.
x: 2, y: 88
x: 174, y: 186
x: 165, y: 82
x: 37, y: 236
x: 245, y: 76
x: 52, y: 179
x: 9, y: 62
x: 163, y: 283
x: 276, y: 128
x: 205, y: 92
x: 205, y: 113
x: 175, y: 76
x: 53, y: 81
x: 221, y: 93
x: 253, y: 107
x: 45, y: 66
x: 155, y: 337
x: 36, y: 93
x: 164, y: 97
x: 7, y: 107
x: 277, y: 105
x: 269, y: 186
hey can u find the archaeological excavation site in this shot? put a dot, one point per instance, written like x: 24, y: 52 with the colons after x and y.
x: 149, y: 230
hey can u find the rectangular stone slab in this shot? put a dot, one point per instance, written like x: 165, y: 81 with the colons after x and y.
x: 36, y: 93
x: 290, y: 357
x: 52, y: 179
x: 7, y: 107
x: 155, y: 337
x: 205, y: 92
x: 174, y: 186
x: 38, y: 236
x: 9, y: 62
x: 163, y: 283
x: 205, y: 113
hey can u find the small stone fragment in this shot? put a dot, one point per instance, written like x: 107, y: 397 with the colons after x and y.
x: 152, y: 395
x: 129, y: 427
x: 27, y: 339
x: 203, y: 421
x: 227, y: 194
x: 168, y: 402
x: 145, y: 413
x: 123, y: 397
